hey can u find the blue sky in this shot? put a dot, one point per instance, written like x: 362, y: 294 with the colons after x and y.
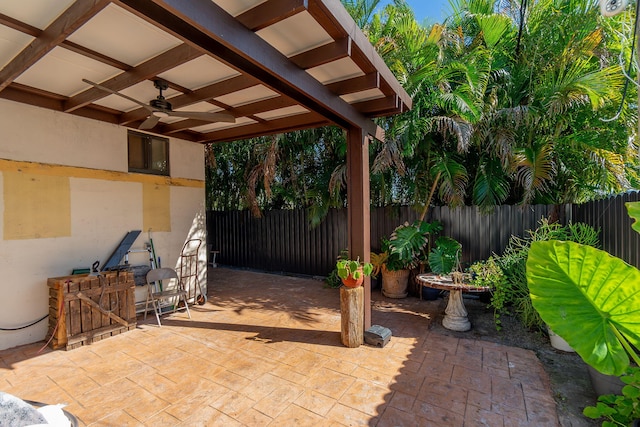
x: 434, y: 10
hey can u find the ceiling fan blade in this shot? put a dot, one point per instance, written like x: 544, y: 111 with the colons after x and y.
x: 151, y: 121
x: 208, y: 117
x: 106, y: 89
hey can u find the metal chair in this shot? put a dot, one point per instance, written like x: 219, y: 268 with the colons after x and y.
x: 154, y: 278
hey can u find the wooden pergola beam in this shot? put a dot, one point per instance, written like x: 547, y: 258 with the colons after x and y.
x: 324, y: 54
x: 69, y: 45
x: 379, y: 106
x: 358, y: 207
x: 269, y: 127
x: 333, y: 17
x: 247, y: 110
x: 69, y: 21
x: 156, y: 65
x: 271, y: 12
x: 355, y: 84
x: 203, y: 94
x: 203, y: 23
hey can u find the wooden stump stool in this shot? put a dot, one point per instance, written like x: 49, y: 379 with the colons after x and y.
x: 352, y: 315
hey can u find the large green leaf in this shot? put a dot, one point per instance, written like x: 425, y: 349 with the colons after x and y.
x: 634, y: 212
x: 589, y: 298
x: 407, y: 241
x: 443, y: 259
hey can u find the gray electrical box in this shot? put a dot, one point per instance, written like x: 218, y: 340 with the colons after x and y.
x: 377, y: 335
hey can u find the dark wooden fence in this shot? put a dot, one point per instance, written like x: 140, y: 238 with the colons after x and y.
x: 282, y: 240
x: 611, y: 218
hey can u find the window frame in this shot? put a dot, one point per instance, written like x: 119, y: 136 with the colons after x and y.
x: 148, y: 153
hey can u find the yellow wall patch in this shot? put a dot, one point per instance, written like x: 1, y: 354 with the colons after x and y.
x: 36, y: 206
x: 156, y: 207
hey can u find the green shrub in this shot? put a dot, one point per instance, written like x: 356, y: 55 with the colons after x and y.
x: 514, y: 292
x: 619, y: 410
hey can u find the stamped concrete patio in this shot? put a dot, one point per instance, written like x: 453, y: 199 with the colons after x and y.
x: 265, y: 350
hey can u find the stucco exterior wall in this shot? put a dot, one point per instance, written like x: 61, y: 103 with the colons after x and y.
x: 91, y: 202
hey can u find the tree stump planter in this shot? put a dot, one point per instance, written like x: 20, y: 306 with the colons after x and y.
x: 352, y: 316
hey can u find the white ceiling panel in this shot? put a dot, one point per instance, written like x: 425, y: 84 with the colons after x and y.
x: 295, y: 34
x: 12, y: 42
x: 37, y: 13
x: 112, y: 32
x: 199, y: 72
x: 236, y: 7
x: 143, y: 92
x: 335, y: 71
x: 365, y: 95
x: 282, y: 112
x: 223, y: 125
x: 201, y: 107
x: 247, y: 96
x: 61, y: 71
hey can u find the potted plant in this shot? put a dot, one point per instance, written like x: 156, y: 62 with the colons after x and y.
x: 405, y: 248
x: 590, y: 299
x: 395, y: 275
x: 352, y: 273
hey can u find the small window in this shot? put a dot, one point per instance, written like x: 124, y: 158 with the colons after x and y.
x: 148, y: 154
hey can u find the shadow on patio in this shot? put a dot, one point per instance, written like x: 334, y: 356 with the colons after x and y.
x: 265, y: 350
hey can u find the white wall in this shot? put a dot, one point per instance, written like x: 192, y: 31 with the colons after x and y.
x: 105, y: 203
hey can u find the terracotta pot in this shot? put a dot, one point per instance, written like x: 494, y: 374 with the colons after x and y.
x: 395, y: 283
x: 350, y: 282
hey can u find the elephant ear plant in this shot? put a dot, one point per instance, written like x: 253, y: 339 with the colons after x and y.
x: 589, y: 298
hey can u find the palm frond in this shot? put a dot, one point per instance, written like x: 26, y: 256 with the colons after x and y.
x: 534, y: 169
x: 491, y: 186
x: 453, y: 180
x: 493, y: 27
x: 462, y: 130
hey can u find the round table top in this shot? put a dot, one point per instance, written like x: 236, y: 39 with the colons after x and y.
x: 446, y: 283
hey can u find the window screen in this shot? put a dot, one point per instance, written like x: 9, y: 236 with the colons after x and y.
x: 148, y: 154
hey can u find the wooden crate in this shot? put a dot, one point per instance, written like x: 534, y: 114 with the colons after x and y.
x: 84, y: 309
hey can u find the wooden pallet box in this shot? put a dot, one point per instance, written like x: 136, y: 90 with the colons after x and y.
x: 84, y: 309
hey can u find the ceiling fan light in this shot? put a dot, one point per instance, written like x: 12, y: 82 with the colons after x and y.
x: 160, y: 114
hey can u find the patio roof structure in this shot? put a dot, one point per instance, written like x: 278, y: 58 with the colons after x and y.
x: 272, y: 65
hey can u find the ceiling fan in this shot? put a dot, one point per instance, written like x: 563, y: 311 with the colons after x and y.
x: 160, y: 107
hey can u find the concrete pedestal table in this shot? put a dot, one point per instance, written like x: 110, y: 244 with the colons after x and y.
x: 455, y: 317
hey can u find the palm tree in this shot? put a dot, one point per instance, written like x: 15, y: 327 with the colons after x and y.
x: 508, y: 101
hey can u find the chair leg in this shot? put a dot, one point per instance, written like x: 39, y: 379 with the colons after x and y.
x: 156, y: 310
x: 146, y: 306
x: 186, y: 305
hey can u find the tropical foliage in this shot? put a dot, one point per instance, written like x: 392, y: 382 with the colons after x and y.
x: 589, y: 298
x: 621, y: 410
x: 509, y: 100
x: 513, y: 295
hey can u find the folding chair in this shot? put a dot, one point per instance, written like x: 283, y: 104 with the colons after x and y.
x: 155, y: 296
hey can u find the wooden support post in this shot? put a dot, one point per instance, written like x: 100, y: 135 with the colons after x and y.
x: 359, y: 210
x: 352, y: 315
